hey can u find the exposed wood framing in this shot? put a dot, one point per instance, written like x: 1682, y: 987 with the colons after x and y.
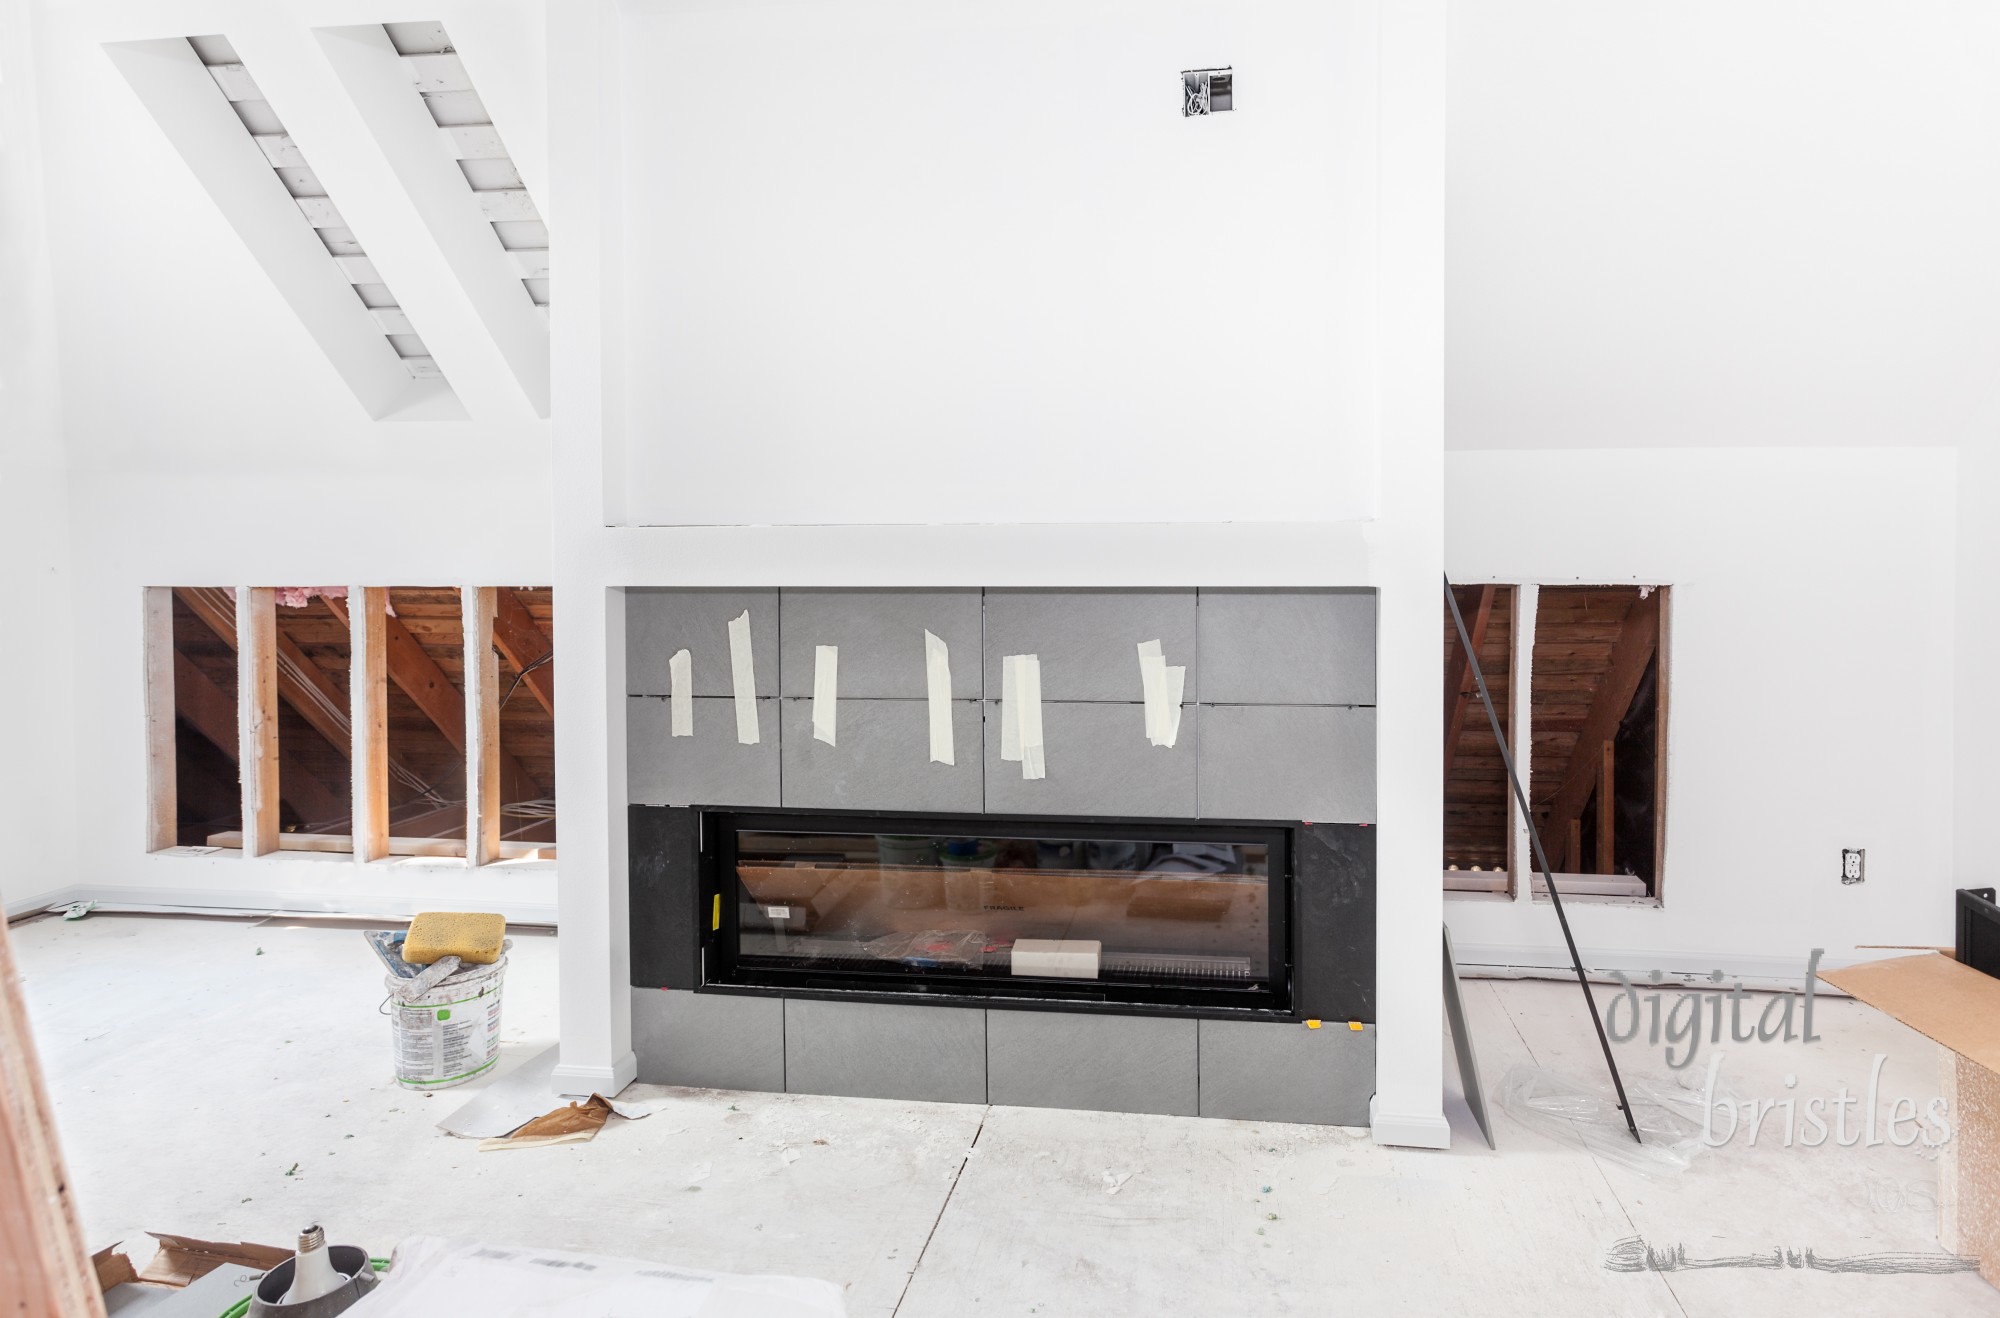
x: 368, y: 698
x: 417, y: 676
x: 209, y: 711
x: 524, y: 643
x: 482, y: 722
x: 45, y: 1271
x: 162, y: 798
x: 1458, y: 684
x: 1635, y: 647
x: 257, y: 715
x: 317, y: 697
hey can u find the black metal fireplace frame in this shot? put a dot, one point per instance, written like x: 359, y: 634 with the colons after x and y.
x: 718, y: 911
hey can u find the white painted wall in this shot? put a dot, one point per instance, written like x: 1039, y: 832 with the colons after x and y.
x: 912, y: 264
x: 209, y: 443
x: 1810, y: 696
x: 37, y: 788
x: 1744, y: 224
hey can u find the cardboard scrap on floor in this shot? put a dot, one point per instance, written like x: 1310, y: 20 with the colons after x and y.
x: 185, y: 1278
x: 182, y: 1260
x: 1934, y: 995
x: 575, y: 1124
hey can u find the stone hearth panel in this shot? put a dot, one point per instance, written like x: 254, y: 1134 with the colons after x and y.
x: 880, y: 759
x: 880, y: 635
x: 1288, y: 647
x: 661, y: 621
x: 1287, y: 762
x: 709, y: 768
x: 709, y: 1040
x: 1088, y: 640
x: 1099, y: 763
x: 1273, y: 1071
x: 1096, y: 1063
x: 885, y: 1050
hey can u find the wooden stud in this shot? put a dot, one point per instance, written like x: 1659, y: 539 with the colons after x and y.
x: 162, y: 762
x: 45, y: 1271
x: 1607, y: 812
x: 525, y: 644
x: 480, y: 608
x: 368, y: 698
x: 1638, y: 639
x: 1572, y: 847
x: 257, y: 715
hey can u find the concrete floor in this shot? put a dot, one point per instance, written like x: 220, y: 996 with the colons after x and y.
x: 230, y: 1079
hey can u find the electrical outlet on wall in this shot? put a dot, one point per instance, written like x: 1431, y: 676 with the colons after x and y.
x: 1851, y: 864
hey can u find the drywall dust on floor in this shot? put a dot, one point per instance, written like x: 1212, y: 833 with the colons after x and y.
x: 232, y: 1079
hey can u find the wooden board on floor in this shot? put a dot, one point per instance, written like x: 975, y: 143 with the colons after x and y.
x: 45, y: 1272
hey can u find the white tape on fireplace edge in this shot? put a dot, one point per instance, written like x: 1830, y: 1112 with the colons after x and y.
x: 826, y: 690
x: 743, y: 679
x: 680, y: 693
x: 937, y: 678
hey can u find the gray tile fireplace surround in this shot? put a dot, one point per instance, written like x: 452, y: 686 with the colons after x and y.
x: 1278, y: 724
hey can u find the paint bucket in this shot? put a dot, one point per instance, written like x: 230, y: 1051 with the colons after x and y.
x: 450, y: 1034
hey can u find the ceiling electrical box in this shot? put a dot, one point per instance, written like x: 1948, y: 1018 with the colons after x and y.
x: 1206, y: 91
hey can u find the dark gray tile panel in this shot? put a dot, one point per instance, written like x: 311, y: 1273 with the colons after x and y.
x: 661, y: 621
x: 1288, y: 647
x: 1095, y: 1063
x: 1099, y: 763
x: 709, y: 768
x: 881, y: 758
x: 1287, y: 762
x: 1088, y: 640
x: 1269, y: 1071
x: 880, y: 634
x: 709, y: 1040
x: 885, y: 1050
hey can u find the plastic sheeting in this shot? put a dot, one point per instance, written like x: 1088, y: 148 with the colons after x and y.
x: 1668, y: 1114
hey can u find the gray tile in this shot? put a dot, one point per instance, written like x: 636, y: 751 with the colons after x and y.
x: 709, y: 1040
x: 885, y: 1050
x: 1096, y: 1063
x: 881, y: 759
x: 1098, y: 761
x: 661, y: 621
x: 1088, y: 640
x: 709, y: 768
x: 1285, y: 762
x: 1288, y: 647
x: 1269, y: 1071
x: 880, y: 634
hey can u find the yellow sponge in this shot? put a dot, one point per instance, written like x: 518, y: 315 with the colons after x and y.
x: 473, y: 937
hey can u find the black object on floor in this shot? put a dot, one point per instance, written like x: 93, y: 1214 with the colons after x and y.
x: 1979, y: 930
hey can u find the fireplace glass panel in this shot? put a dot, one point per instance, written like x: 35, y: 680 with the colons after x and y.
x: 1054, y: 915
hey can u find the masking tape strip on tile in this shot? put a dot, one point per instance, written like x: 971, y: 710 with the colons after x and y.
x: 743, y: 678
x: 680, y: 692
x: 937, y: 678
x: 826, y: 690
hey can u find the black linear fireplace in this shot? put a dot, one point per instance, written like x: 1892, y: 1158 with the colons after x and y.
x: 1147, y: 913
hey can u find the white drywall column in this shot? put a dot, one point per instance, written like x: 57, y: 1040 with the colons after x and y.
x: 38, y: 780
x: 1409, y: 1100
x: 1976, y: 708
x: 589, y: 630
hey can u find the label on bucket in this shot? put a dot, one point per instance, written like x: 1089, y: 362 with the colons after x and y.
x: 444, y: 1038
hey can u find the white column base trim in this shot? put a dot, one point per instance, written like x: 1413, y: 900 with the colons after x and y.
x: 582, y: 1081
x: 1428, y: 1130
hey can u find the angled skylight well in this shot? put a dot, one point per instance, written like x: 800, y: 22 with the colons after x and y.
x: 289, y: 163
x: 455, y: 107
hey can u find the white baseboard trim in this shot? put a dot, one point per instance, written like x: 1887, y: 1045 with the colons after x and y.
x: 583, y: 1081
x: 1778, y: 974
x: 114, y: 898
x: 1421, y: 1130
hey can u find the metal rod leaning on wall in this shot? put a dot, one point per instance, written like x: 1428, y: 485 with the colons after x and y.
x: 1541, y: 856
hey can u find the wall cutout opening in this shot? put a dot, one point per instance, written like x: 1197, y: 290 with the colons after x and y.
x: 426, y: 717
x: 314, y: 727
x: 1598, y: 707
x: 201, y: 667
x: 1478, y: 799
x: 524, y: 623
